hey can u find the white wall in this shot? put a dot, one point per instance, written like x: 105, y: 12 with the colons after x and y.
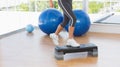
x: 10, y: 21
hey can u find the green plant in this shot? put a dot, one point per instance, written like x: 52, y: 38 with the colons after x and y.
x: 55, y: 4
x: 42, y: 5
x: 94, y: 7
x: 23, y: 7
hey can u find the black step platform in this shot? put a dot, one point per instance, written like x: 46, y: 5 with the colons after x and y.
x: 60, y: 51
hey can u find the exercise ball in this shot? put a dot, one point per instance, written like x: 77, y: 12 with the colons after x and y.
x: 82, y: 23
x: 29, y: 28
x: 49, y: 19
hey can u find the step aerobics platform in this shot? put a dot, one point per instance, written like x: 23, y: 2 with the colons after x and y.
x: 91, y: 49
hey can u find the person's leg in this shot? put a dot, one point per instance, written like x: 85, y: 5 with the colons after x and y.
x: 59, y: 28
x: 62, y: 25
x: 66, y: 6
x: 67, y: 9
x: 71, y: 31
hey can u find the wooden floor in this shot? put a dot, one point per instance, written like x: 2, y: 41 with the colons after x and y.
x: 37, y: 50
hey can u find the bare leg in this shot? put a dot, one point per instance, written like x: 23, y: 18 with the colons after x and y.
x: 71, y: 31
x: 58, y: 29
x: 71, y: 41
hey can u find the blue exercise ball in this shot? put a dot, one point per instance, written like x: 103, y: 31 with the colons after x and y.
x: 29, y: 28
x: 49, y: 19
x: 82, y: 23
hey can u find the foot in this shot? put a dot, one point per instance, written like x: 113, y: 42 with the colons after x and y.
x: 72, y: 43
x: 54, y: 37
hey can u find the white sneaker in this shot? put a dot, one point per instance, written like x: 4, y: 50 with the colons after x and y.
x: 54, y: 38
x: 72, y: 43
